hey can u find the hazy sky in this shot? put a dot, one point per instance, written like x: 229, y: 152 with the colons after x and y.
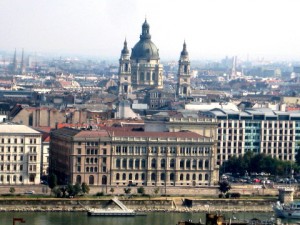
x: 211, y: 28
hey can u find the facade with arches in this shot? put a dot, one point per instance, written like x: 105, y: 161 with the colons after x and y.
x: 119, y: 158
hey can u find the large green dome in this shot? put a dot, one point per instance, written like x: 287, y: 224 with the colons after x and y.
x: 145, y: 48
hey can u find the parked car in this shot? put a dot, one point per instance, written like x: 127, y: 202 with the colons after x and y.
x: 29, y: 192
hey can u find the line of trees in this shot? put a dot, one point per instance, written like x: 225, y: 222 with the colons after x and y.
x: 257, y: 163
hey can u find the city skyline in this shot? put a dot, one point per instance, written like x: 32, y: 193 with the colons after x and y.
x: 211, y: 29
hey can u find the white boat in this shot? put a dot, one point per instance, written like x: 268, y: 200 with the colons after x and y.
x: 122, y: 211
x: 290, y: 211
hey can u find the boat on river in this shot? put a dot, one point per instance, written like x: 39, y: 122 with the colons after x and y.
x: 289, y: 211
x: 121, y: 211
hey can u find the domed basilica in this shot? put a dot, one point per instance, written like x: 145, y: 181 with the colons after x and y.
x: 142, y: 69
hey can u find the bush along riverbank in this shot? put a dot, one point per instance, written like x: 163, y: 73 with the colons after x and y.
x: 165, y: 205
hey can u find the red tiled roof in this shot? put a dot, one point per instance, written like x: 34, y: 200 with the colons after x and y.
x: 185, y: 134
x: 92, y: 134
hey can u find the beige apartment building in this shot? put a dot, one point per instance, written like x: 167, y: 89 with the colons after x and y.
x: 122, y: 158
x: 20, y: 155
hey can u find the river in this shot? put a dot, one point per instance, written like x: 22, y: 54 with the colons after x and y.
x: 80, y: 218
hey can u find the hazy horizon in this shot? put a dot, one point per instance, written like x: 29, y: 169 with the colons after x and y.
x: 97, y: 28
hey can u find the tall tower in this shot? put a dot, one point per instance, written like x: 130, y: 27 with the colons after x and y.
x: 14, y: 66
x: 22, y: 67
x: 233, y: 69
x: 125, y: 71
x: 184, y: 77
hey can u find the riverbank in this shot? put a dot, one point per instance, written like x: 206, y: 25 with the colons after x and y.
x: 177, y: 205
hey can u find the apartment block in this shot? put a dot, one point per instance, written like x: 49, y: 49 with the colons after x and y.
x: 20, y: 154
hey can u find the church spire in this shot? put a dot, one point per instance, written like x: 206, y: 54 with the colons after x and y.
x: 125, y: 49
x: 145, y: 31
x: 184, y: 51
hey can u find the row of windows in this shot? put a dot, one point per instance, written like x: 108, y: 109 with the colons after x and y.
x: 8, y: 177
x: 9, y: 157
x: 11, y: 167
x: 161, y: 150
x: 12, y: 140
x: 92, y: 151
x: 11, y: 149
x: 153, y: 176
x: 187, y: 164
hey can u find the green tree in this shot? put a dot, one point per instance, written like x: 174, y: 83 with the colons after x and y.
x: 71, y: 190
x: 85, y: 188
x: 141, y: 190
x: 156, y: 190
x: 12, y: 190
x: 57, y: 192
x: 127, y: 191
x: 224, y: 186
x: 112, y: 190
x: 52, y: 181
x: 77, y: 189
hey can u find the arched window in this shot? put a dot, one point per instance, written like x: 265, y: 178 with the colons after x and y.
x: 153, y: 176
x: 194, y: 176
x: 188, y: 177
x: 200, y: 164
x: 1, y: 178
x: 153, y: 163
x: 87, y: 169
x: 124, y: 176
x: 21, y: 178
x: 137, y: 163
x: 130, y: 163
x: 172, y: 177
x: 181, y: 163
x: 95, y: 169
x: 194, y: 164
x: 92, y: 169
x: 172, y: 163
x: 130, y: 176
x: 181, y: 177
x: 200, y: 176
x: 206, y: 176
x: 117, y: 176
x: 143, y: 176
x: 14, y: 178
x: 124, y: 163
x: 163, y: 163
x: 92, y: 160
x: 104, y: 180
x: 162, y: 177
x: 87, y: 160
x: 206, y: 164
x: 78, y: 179
x: 91, y: 179
x: 143, y: 163
x: 136, y: 176
x: 96, y: 160
x: 188, y: 164
x: 118, y: 163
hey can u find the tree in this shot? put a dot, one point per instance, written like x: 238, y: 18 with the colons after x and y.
x: 77, y: 189
x: 52, y: 181
x: 12, y: 190
x: 57, y: 192
x: 141, y: 190
x: 71, y: 190
x: 85, y: 188
x: 112, y: 190
x: 224, y: 186
x: 156, y: 190
x: 127, y: 190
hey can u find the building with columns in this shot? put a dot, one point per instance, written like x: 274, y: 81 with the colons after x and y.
x: 120, y: 158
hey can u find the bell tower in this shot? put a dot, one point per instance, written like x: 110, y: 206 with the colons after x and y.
x: 184, y: 77
x: 125, y: 87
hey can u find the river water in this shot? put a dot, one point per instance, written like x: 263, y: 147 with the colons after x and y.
x: 81, y: 218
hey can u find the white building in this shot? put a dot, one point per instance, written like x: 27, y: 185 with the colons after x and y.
x: 20, y: 154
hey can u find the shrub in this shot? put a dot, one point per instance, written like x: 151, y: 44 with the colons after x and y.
x: 99, y: 194
x: 235, y: 195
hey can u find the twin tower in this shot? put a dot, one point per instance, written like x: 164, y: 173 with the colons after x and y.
x: 142, y: 70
